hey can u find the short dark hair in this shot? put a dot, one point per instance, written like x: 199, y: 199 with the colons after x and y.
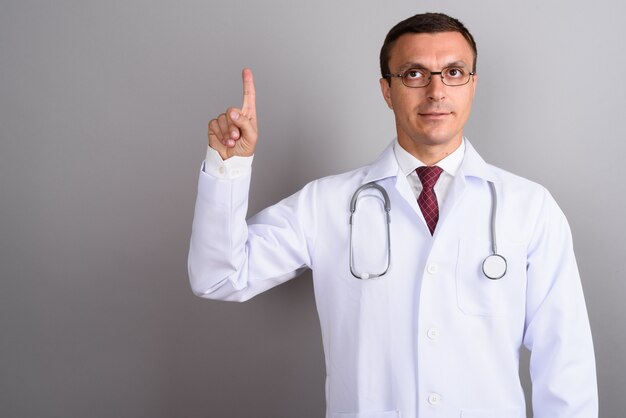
x: 424, y: 23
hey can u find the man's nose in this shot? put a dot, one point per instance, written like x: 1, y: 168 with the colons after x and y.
x: 436, y: 90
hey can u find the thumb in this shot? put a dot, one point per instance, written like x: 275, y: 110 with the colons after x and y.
x: 244, y: 140
x: 245, y: 123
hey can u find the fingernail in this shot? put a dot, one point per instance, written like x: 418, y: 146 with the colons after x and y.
x: 234, y: 115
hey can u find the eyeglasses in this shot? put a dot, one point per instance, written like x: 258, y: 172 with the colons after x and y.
x: 419, y: 77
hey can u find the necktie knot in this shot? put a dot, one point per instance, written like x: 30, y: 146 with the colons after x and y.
x: 429, y: 175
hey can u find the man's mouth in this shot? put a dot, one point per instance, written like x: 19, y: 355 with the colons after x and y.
x: 434, y: 115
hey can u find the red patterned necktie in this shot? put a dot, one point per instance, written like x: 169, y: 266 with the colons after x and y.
x: 427, y: 200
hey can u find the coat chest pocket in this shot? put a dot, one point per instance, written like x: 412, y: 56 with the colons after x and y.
x: 478, y: 295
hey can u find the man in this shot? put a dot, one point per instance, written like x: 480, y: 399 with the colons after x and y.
x: 415, y: 322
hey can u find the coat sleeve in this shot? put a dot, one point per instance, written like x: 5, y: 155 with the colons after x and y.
x: 557, y: 331
x: 231, y: 259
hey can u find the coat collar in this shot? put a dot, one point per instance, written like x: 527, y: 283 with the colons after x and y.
x: 473, y: 165
x: 385, y: 166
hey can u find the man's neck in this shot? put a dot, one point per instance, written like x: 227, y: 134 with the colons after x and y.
x: 430, y: 154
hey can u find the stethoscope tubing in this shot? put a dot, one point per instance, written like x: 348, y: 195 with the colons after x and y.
x: 387, y: 207
x: 494, y: 266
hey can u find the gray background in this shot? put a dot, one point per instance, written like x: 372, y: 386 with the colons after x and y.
x: 103, y: 113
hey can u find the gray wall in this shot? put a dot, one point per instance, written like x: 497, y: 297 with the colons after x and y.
x: 103, y: 113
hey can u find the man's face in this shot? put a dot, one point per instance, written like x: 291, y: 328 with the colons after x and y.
x: 430, y: 119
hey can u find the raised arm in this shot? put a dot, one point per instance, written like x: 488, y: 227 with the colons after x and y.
x: 229, y: 258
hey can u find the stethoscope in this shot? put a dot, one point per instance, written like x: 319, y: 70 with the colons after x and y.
x: 494, y: 265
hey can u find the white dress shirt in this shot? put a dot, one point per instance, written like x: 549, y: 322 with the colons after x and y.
x: 450, y: 165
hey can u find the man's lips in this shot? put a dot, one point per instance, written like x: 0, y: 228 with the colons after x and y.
x: 434, y: 115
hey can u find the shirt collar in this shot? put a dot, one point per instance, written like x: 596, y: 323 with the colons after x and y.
x: 471, y: 164
x: 408, y: 163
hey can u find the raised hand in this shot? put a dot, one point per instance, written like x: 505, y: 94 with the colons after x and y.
x: 235, y: 132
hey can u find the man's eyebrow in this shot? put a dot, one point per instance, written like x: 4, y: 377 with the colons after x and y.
x: 408, y: 65
x: 418, y: 66
x: 459, y: 63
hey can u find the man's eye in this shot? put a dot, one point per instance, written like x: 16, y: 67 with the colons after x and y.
x: 414, y: 74
x: 454, y: 73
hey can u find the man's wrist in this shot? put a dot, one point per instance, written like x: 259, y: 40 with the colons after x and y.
x: 230, y: 168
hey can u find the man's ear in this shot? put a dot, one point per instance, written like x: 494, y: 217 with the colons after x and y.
x: 475, y: 83
x: 385, y: 88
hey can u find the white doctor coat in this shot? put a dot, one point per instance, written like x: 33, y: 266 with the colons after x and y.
x: 433, y: 337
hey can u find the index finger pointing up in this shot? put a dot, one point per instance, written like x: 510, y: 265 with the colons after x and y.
x: 249, y: 95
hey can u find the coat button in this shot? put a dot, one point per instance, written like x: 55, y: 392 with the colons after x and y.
x: 434, y: 398
x: 432, y: 333
x: 221, y: 170
x: 432, y: 268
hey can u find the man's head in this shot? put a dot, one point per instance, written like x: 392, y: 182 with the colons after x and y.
x: 424, y: 23
x: 428, y: 63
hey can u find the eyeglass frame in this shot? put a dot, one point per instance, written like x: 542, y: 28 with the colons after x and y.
x: 430, y: 77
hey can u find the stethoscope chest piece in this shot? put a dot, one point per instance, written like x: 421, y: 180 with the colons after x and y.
x: 494, y: 267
